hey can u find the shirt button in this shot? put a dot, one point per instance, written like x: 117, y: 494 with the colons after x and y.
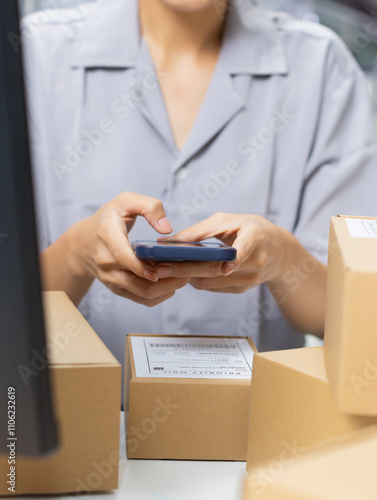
x: 182, y: 174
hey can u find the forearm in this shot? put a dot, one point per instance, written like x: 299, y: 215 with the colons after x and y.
x: 60, y: 267
x: 300, y: 289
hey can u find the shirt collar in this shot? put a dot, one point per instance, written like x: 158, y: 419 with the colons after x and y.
x: 252, y: 43
x: 109, y: 36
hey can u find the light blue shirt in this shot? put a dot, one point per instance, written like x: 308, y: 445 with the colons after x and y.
x: 284, y: 132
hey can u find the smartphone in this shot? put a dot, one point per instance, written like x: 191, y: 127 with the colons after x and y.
x: 183, y: 251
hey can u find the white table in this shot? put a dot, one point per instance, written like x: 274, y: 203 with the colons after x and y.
x: 170, y: 480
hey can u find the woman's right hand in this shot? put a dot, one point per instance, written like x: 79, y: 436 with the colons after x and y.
x: 101, y: 250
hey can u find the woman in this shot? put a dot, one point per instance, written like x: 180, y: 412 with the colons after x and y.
x: 248, y: 126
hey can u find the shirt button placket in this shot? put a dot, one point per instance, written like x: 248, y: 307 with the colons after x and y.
x: 182, y: 174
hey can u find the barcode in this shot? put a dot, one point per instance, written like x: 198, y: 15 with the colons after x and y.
x: 372, y: 227
x: 193, y: 346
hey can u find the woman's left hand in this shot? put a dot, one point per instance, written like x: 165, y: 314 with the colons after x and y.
x: 266, y: 253
x: 261, y: 253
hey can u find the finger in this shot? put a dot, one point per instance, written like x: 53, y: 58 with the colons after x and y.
x: 139, y: 286
x: 148, y: 290
x: 208, y: 228
x: 139, y: 300
x: 245, y: 242
x: 132, y: 205
x: 113, y: 234
x: 189, y: 269
x: 212, y: 284
x: 237, y: 281
x: 230, y: 289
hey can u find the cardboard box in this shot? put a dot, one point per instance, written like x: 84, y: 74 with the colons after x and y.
x: 292, y: 407
x: 185, y: 418
x: 86, y: 383
x: 351, y: 314
x: 346, y: 470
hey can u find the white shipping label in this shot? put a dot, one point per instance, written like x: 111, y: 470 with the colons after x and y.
x: 192, y: 357
x: 362, y: 228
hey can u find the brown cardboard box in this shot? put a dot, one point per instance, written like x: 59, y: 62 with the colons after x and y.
x: 292, y: 407
x: 351, y: 315
x: 344, y: 470
x: 192, y: 419
x: 86, y: 383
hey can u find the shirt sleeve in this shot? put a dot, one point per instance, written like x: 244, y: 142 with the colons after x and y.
x: 341, y: 173
x: 340, y: 176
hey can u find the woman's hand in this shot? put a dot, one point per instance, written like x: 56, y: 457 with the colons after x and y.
x: 260, y: 253
x: 266, y: 253
x: 98, y: 247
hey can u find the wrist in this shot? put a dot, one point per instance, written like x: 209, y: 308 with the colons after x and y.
x: 285, y: 245
x: 75, y: 251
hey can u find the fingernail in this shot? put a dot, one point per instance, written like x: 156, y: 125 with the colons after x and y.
x: 164, y: 271
x: 150, y: 275
x: 228, y: 269
x: 165, y: 225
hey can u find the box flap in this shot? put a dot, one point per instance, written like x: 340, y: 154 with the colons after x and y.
x: 70, y: 338
x: 309, y: 360
x: 358, y: 241
x: 344, y: 471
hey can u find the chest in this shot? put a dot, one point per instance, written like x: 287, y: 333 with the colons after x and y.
x: 244, y: 155
x: 184, y: 87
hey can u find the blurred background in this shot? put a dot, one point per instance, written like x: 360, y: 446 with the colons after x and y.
x: 355, y: 21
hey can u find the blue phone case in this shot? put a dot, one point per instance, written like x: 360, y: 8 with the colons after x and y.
x: 194, y: 251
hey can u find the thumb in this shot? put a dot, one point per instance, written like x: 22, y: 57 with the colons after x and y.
x: 150, y: 208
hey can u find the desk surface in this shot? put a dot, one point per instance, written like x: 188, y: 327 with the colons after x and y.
x: 170, y: 480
